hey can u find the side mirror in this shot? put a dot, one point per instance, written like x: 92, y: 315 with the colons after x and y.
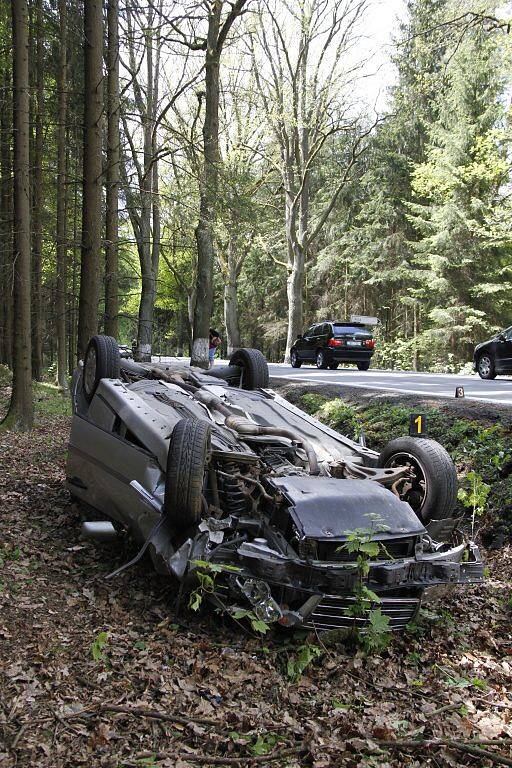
x: 502, y: 337
x: 299, y: 336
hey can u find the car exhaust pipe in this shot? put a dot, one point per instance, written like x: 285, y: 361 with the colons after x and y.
x: 245, y: 427
x: 102, y: 530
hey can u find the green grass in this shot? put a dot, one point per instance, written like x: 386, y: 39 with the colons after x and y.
x: 50, y: 401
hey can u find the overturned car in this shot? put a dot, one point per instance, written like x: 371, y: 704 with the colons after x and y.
x: 213, y: 468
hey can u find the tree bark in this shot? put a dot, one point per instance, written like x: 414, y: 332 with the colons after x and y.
x: 113, y: 174
x: 208, y: 193
x: 20, y: 415
x: 37, y: 198
x: 6, y: 244
x: 92, y: 172
x: 61, y: 304
x: 231, y: 319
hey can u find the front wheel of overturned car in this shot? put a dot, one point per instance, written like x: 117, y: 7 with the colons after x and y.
x: 431, y: 489
x: 189, y: 451
x: 294, y: 359
x: 101, y: 361
x: 254, y: 368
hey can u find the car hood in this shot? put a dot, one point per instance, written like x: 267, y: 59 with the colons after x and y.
x: 327, y: 508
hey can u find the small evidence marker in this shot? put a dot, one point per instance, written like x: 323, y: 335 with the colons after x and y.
x: 417, y: 425
x: 459, y: 392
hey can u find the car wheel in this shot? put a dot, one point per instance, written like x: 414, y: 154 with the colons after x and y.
x: 254, y: 368
x: 364, y: 366
x: 431, y: 491
x: 333, y: 366
x: 321, y: 361
x: 485, y: 367
x: 294, y: 359
x: 101, y: 361
x: 189, y: 450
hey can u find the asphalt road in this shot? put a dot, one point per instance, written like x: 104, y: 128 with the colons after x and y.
x: 410, y: 383
x: 497, y: 391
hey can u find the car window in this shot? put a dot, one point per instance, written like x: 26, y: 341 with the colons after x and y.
x: 508, y: 333
x: 340, y: 329
x: 310, y: 331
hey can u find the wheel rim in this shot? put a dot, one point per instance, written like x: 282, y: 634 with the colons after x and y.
x: 412, y: 489
x: 90, y: 370
x: 484, y: 365
x: 319, y: 359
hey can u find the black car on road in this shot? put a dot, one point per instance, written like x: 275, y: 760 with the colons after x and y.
x: 494, y: 356
x: 329, y: 344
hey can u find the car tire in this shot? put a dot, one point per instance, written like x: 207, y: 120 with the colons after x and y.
x: 101, y: 361
x: 364, y: 366
x: 321, y: 360
x: 485, y: 366
x: 437, y: 498
x: 294, y: 359
x: 189, y: 450
x: 254, y: 368
x: 333, y: 366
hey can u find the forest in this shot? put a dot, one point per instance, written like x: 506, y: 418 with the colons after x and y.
x: 168, y: 166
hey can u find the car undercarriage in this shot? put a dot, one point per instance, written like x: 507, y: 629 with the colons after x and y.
x: 213, y: 472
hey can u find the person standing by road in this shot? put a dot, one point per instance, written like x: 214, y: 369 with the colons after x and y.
x: 215, y: 342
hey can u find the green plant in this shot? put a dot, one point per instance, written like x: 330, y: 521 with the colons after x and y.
x: 306, y: 653
x: 257, y: 624
x: 206, y: 574
x: 98, y: 646
x: 360, y: 542
x: 474, y: 497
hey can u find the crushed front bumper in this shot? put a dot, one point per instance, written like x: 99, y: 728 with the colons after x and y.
x: 321, y: 595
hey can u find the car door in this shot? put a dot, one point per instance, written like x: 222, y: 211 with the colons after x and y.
x: 307, y: 344
x: 504, y: 351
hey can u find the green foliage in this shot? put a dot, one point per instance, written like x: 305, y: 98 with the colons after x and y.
x: 98, y: 646
x: 474, y: 496
x: 312, y: 402
x: 300, y: 661
x: 257, y: 624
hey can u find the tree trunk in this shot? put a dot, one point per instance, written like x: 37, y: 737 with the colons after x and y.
x: 91, y: 201
x: 37, y: 198
x: 113, y: 174
x: 294, y: 292
x: 20, y: 414
x: 62, y: 363
x: 146, y: 250
x: 231, y: 303
x: 208, y: 194
x: 6, y: 245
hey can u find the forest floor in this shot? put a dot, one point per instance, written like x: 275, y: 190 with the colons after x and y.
x: 96, y: 673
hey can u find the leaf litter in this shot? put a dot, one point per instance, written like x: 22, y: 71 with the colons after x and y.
x: 95, y: 673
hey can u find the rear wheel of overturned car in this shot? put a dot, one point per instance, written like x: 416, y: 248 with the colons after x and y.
x: 321, y: 359
x: 101, y: 361
x: 254, y: 368
x: 431, y: 490
x: 364, y: 366
x: 187, y: 460
x: 333, y: 366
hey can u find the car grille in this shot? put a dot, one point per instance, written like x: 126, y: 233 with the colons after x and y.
x: 335, y: 552
x: 331, y: 613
